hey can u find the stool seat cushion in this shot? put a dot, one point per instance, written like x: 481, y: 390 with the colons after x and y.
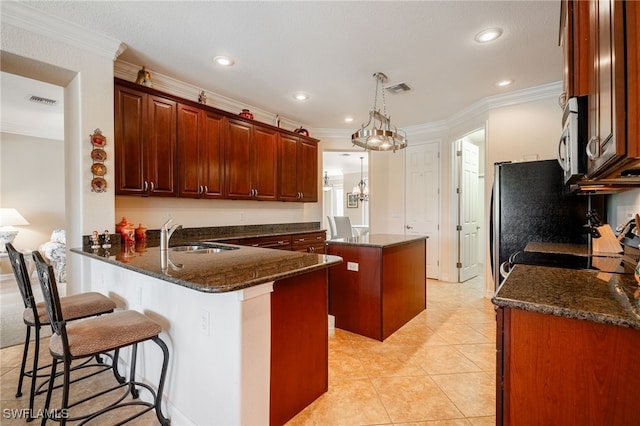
x: 73, y: 307
x: 101, y: 334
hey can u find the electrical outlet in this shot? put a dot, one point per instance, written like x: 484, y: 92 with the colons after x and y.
x: 353, y: 266
x: 204, y: 322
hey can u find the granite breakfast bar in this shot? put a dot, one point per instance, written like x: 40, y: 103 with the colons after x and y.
x: 246, y: 327
x: 567, y: 347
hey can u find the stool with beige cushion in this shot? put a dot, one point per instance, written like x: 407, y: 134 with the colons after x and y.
x: 93, y: 336
x: 35, y: 316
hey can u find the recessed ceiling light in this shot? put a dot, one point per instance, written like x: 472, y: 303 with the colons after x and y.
x: 348, y: 119
x: 225, y: 61
x: 503, y: 83
x: 300, y: 96
x: 488, y: 35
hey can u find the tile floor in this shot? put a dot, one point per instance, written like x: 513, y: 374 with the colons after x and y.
x: 439, y: 369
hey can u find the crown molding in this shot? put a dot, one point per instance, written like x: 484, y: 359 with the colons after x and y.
x: 22, y: 16
x: 483, y: 106
x: 128, y: 71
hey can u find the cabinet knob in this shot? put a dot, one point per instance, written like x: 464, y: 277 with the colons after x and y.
x: 409, y: 227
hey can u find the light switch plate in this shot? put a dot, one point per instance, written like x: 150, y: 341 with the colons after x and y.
x: 352, y: 266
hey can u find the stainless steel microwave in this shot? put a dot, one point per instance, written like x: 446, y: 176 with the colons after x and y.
x: 572, y: 154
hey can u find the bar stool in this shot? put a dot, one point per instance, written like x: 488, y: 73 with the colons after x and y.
x: 35, y: 316
x: 93, y: 336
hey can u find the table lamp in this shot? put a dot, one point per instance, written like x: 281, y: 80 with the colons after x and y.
x: 9, y: 218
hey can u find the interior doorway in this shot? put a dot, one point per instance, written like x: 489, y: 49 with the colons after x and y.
x: 469, y: 191
x: 344, y: 170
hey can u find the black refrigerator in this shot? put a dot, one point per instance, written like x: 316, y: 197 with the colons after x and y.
x: 529, y: 202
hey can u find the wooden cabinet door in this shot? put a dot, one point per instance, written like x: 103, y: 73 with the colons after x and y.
x: 211, y: 138
x: 607, y: 139
x: 264, y: 177
x: 288, y: 180
x: 189, y: 151
x: 130, y: 113
x: 237, y: 152
x: 199, y: 153
x: 308, y: 170
x: 298, y: 172
x: 160, y: 146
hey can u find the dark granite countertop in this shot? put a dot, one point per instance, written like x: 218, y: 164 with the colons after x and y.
x: 601, y: 297
x: 229, y: 270
x: 377, y: 240
x: 559, y: 248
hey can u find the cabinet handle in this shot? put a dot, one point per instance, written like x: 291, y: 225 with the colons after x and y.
x: 590, y: 153
x: 200, y: 189
x: 145, y: 186
x: 312, y: 249
x: 152, y: 186
x: 255, y: 192
x: 409, y: 227
x: 206, y: 189
x: 562, y: 100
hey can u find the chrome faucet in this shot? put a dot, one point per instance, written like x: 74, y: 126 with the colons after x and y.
x: 166, y: 232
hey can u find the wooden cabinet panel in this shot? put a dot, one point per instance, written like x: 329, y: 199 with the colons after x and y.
x: 574, y: 38
x: 237, y: 147
x: 145, y: 143
x: 567, y: 371
x: 265, y: 163
x: 299, y: 344
x: 308, y: 170
x: 200, y: 153
x: 130, y: 113
x: 288, y: 181
x: 613, y: 108
x: 161, y: 146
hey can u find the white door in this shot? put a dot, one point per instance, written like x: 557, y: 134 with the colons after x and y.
x: 422, y: 175
x: 468, y: 226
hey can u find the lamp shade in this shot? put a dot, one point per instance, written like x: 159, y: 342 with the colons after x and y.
x: 11, y: 217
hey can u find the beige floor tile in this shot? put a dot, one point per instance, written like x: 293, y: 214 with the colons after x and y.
x: 448, y: 422
x: 457, y: 334
x: 472, y: 393
x: 413, y: 399
x: 444, y: 360
x: 483, y: 421
x: 482, y: 354
x: 349, y: 403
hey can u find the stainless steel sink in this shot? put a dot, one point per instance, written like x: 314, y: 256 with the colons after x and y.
x: 202, y: 248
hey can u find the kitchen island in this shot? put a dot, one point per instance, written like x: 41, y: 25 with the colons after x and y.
x: 381, y: 284
x: 246, y: 327
x: 567, y: 347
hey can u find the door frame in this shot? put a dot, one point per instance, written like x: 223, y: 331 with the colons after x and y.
x: 455, y: 204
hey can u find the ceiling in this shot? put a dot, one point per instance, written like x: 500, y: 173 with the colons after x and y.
x: 330, y: 50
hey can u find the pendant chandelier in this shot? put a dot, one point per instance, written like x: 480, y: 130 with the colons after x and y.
x: 361, y: 190
x: 379, y: 134
x: 326, y: 186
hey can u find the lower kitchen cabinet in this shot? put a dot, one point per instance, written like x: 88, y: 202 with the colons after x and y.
x: 560, y: 371
x: 309, y: 242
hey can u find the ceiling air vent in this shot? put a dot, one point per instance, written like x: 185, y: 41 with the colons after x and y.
x: 398, y: 88
x: 41, y: 100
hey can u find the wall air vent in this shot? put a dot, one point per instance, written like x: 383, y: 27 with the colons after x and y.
x: 41, y: 100
x: 398, y: 88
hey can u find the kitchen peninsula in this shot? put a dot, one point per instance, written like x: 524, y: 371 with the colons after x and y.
x: 246, y: 327
x: 380, y: 286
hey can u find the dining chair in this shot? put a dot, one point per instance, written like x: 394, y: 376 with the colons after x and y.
x: 343, y: 227
x: 35, y: 316
x: 92, y: 336
x: 332, y: 227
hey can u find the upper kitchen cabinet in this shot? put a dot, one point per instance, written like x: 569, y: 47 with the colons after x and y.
x: 574, y: 39
x: 145, y: 143
x: 298, y: 173
x: 613, y: 145
x: 200, y: 152
x: 251, y: 161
